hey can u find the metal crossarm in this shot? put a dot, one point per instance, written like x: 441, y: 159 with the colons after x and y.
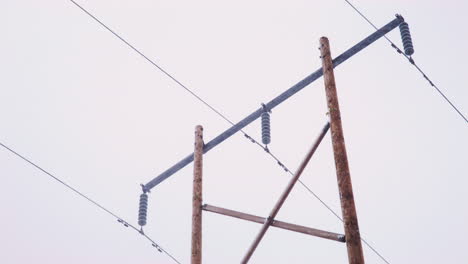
x: 276, y: 101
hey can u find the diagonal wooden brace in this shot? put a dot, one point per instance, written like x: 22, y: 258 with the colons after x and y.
x: 285, y: 194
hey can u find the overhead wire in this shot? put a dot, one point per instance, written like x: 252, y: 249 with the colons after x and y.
x: 152, y: 62
x: 410, y: 60
x: 118, y: 218
x: 216, y: 111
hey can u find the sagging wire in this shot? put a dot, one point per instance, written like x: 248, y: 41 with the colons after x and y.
x: 410, y: 60
x: 157, y: 246
x: 92, y: 201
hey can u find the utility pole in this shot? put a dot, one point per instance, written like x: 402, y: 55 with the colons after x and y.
x: 197, y: 197
x: 351, y: 227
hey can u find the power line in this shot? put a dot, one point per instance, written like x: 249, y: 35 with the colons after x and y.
x: 153, y: 63
x: 410, y: 60
x: 119, y: 219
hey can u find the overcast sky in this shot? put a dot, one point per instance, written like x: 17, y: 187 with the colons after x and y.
x: 85, y: 107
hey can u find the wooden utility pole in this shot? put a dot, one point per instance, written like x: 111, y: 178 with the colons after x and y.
x: 351, y: 227
x: 197, y: 197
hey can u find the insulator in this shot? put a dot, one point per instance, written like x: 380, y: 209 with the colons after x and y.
x: 406, y: 38
x: 266, y: 137
x: 143, y: 209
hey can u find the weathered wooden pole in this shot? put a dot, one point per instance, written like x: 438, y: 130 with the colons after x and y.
x: 351, y: 227
x: 197, y: 197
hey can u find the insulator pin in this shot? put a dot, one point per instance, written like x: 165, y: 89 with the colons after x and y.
x: 143, y: 209
x: 406, y: 38
x: 266, y: 137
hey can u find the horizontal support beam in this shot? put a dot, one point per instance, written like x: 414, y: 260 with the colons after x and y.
x: 276, y: 101
x: 275, y: 223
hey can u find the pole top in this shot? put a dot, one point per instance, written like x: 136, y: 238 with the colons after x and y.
x: 323, y: 42
x: 323, y: 39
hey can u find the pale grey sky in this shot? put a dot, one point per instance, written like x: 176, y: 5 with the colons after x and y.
x: 84, y: 106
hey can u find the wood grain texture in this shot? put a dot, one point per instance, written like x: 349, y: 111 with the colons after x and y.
x: 197, y: 197
x: 348, y: 208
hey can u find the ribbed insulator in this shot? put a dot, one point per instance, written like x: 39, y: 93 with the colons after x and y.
x: 406, y: 38
x: 143, y: 209
x: 266, y: 138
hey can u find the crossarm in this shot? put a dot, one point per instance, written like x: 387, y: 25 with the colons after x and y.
x: 276, y: 101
